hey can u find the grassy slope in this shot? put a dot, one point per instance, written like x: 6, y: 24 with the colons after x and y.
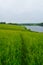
x: 11, y: 27
x: 19, y: 47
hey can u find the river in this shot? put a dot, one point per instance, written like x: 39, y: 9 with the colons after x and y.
x: 35, y: 28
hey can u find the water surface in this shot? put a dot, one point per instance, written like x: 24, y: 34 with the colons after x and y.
x: 35, y: 28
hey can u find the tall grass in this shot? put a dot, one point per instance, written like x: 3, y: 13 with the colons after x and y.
x: 19, y: 47
x: 34, y: 44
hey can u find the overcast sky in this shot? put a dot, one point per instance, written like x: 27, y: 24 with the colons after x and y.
x: 23, y: 11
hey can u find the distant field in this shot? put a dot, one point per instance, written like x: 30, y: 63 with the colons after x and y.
x: 11, y: 27
x: 19, y: 46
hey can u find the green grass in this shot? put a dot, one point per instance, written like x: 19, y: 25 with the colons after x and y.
x: 19, y: 46
x: 11, y: 27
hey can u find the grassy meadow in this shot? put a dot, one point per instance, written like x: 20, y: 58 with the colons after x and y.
x: 19, y: 46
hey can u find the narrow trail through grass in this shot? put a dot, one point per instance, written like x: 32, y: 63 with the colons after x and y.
x: 24, y: 52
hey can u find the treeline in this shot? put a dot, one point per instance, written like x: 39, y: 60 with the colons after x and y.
x: 30, y: 24
x: 2, y: 22
x: 8, y: 23
x: 40, y: 24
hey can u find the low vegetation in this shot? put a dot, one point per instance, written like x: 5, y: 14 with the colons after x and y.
x: 19, y: 46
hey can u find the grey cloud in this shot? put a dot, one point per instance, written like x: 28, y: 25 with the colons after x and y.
x: 21, y: 10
